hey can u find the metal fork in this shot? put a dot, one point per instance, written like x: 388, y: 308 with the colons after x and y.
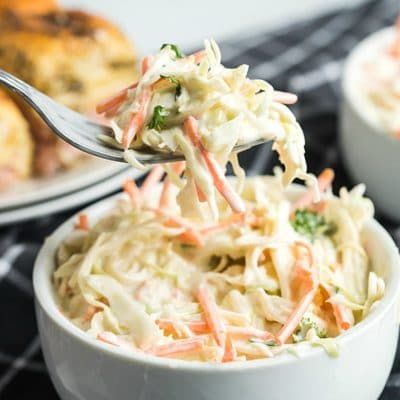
x: 80, y: 131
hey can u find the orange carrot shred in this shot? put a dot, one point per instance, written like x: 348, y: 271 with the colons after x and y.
x: 250, y: 333
x: 146, y: 64
x: 200, y: 194
x: 83, y: 222
x: 230, y: 351
x: 137, y: 119
x: 295, y: 317
x: 178, y: 168
x: 104, y: 339
x: 211, y: 313
x: 223, y: 225
x: 198, y: 56
x: 153, y: 177
x: 182, y: 346
x: 114, y: 101
x: 190, y: 236
x: 324, y: 182
x: 133, y: 192
x: 220, y: 181
x: 195, y: 326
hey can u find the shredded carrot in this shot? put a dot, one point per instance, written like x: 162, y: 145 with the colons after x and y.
x: 250, y: 333
x: 318, y: 207
x: 165, y: 194
x: 178, y: 168
x: 137, y: 119
x: 133, y: 192
x: 114, y: 101
x: 209, y: 306
x: 146, y: 64
x: 190, y: 236
x: 90, y: 311
x: 151, y: 180
x: 253, y: 220
x: 223, y: 225
x: 198, y: 56
x: 230, y: 351
x: 306, y: 282
x: 343, y: 316
x: 112, y: 112
x: 183, y: 346
x: 284, y: 97
x: 83, y: 222
x: 220, y: 181
x: 295, y: 317
x: 200, y: 194
x: 324, y: 182
x: 105, y: 339
x: 198, y: 327
x: 173, y: 220
x: 304, y: 279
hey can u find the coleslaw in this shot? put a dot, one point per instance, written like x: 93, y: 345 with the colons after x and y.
x: 193, y: 105
x: 379, y: 81
x: 248, y: 286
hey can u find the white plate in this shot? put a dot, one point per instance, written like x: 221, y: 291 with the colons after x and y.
x: 69, y: 200
x: 35, y: 190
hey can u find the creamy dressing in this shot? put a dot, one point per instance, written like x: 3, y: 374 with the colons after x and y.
x: 378, y: 82
x: 131, y: 280
x: 227, y: 108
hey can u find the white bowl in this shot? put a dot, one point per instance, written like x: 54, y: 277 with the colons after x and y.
x: 85, y: 369
x: 371, y: 155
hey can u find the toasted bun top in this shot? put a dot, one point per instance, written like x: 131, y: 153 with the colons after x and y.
x: 28, y: 6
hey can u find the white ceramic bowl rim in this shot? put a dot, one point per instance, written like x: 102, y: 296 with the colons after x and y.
x: 45, y: 296
x: 350, y: 68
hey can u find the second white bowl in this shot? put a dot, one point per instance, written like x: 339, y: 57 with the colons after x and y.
x: 371, y: 155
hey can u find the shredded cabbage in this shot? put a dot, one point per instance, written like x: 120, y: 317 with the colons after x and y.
x: 228, y: 108
x: 378, y: 82
x: 133, y: 280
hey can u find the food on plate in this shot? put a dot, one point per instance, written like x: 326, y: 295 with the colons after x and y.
x: 378, y: 81
x: 248, y: 286
x: 72, y: 56
x: 193, y: 105
x: 16, y: 147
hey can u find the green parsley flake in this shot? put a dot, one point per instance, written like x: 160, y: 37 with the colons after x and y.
x: 311, y: 224
x: 174, y: 48
x: 305, y: 325
x: 158, y: 119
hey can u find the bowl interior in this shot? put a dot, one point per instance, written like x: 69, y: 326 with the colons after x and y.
x: 379, y: 245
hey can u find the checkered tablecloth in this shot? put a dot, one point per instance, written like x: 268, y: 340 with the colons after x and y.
x: 305, y: 58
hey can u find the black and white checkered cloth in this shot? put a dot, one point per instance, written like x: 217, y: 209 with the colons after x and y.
x: 305, y: 58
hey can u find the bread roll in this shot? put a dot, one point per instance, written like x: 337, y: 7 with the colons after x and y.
x: 16, y: 147
x: 75, y: 57
x: 27, y: 6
